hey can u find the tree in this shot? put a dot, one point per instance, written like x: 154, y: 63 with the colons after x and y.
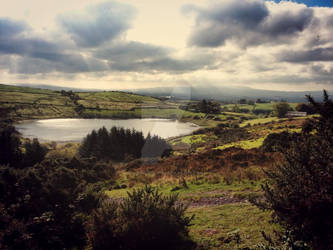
x: 281, y: 109
x: 242, y: 101
x: 144, y: 220
x: 34, y: 152
x: 303, y: 107
x: 250, y: 102
x: 300, y: 188
x: 10, y: 146
x: 119, y: 144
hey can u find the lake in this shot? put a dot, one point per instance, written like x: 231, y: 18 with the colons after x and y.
x: 74, y: 130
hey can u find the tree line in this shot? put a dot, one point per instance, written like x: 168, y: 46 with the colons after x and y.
x: 207, y: 107
x: 122, y: 144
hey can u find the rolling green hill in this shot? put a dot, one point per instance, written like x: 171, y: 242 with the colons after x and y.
x: 20, y: 103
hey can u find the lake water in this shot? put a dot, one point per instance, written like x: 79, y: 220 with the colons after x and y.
x: 74, y: 130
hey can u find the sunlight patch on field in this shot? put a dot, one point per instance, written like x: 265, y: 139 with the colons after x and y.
x: 192, y: 139
x: 246, y: 144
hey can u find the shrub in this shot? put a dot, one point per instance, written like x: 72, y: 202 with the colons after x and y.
x: 300, y: 189
x: 277, y: 142
x: 303, y: 107
x: 11, y: 149
x: 144, y: 220
x: 281, y: 109
x: 261, y: 111
x: 10, y: 152
x: 34, y: 152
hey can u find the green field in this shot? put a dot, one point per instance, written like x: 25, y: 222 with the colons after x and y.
x: 19, y: 103
x: 262, y: 106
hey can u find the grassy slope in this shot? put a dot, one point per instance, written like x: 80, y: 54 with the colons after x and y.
x: 20, y: 103
x: 217, y: 191
x: 31, y: 103
x: 261, y: 106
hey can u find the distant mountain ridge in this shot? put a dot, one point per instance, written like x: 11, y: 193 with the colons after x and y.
x: 227, y: 93
x: 199, y: 93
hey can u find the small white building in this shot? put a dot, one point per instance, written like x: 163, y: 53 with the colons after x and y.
x: 296, y: 114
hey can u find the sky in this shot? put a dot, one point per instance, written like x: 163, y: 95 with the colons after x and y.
x: 133, y: 44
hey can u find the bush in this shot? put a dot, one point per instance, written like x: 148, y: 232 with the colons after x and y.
x: 303, y: 107
x: 261, y: 111
x: 281, y: 109
x: 34, y: 152
x: 144, y: 220
x: 10, y: 152
x: 277, y: 142
x: 11, y: 149
x: 300, y: 189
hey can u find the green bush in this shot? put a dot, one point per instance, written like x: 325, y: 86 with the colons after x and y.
x: 281, y: 109
x: 144, y: 220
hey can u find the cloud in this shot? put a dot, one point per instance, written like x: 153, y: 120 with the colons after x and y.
x: 65, y: 64
x: 131, y: 51
x: 142, y: 57
x: 248, y: 23
x: 302, y: 56
x: 322, y: 73
x: 98, y: 23
x: 38, y: 55
x: 10, y: 28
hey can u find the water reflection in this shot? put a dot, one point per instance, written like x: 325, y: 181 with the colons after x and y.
x: 65, y: 130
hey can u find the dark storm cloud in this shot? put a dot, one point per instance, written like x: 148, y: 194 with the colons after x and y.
x: 10, y: 28
x: 99, y: 24
x: 14, y: 40
x: 39, y: 55
x: 247, y: 23
x: 302, y: 56
x: 72, y: 64
x: 141, y: 57
x: 167, y: 64
x: 287, y: 23
x: 130, y: 51
x: 47, y: 56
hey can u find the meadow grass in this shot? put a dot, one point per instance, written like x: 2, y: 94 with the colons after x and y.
x: 230, y: 226
x: 218, y: 226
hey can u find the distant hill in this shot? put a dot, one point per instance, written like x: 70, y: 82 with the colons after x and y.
x: 20, y: 103
x: 53, y: 87
x: 227, y: 93
x: 198, y: 92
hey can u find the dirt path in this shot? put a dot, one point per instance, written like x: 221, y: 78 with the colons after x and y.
x: 215, y: 201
